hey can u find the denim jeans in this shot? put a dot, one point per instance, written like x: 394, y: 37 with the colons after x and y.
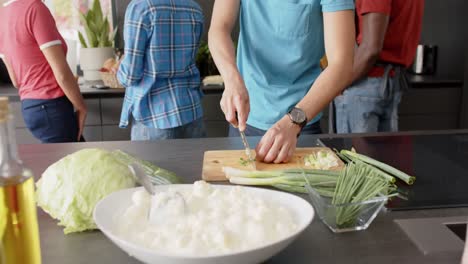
x: 251, y: 131
x: 195, y: 129
x: 368, y: 106
x: 50, y: 120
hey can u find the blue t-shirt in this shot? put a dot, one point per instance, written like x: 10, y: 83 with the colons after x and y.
x: 280, y: 46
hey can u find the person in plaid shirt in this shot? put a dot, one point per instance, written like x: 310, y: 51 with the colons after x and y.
x: 163, y: 94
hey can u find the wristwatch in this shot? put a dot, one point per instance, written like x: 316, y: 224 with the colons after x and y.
x: 298, y: 116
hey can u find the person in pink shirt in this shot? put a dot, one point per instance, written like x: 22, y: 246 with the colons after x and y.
x: 34, y: 53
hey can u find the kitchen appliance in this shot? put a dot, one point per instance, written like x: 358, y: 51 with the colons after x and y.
x: 425, y: 61
x: 214, y: 161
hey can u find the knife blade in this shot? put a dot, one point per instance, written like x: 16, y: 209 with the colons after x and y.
x: 247, y: 150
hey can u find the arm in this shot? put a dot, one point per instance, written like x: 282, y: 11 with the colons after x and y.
x: 235, y: 100
x: 10, y: 71
x: 64, y: 76
x: 136, y: 30
x: 374, y: 27
x: 279, y: 142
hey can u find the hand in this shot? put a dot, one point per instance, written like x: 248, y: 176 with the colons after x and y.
x: 235, y: 104
x: 279, y: 142
x: 116, y: 66
x: 81, y: 116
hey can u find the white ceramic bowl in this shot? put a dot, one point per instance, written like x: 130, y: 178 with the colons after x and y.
x: 116, y: 203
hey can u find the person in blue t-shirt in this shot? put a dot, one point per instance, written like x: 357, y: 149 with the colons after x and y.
x: 277, y: 89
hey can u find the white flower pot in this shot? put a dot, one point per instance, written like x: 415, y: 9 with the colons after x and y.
x: 92, y: 60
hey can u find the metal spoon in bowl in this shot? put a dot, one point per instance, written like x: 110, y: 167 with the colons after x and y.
x: 169, y: 204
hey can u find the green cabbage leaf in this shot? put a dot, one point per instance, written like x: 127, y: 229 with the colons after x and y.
x: 70, y: 188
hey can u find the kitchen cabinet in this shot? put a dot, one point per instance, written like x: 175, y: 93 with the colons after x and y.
x: 213, y: 116
x: 101, y: 123
x: 92, y: 133
x: 93, y: 117
x: 430, y: 108
x: 114, y: 133
x: 109, y: 117
x: 110, y: 110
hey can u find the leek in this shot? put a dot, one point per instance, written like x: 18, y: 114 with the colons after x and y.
x: 385, y: 168
x: 357, y: 183
x: 234, y: 172
x: 291, y: 180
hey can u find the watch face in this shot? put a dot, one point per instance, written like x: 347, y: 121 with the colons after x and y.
x: 297, y: 115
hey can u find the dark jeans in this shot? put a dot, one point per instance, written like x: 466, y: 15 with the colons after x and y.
x: 51, y: 120
x: 251, y: 131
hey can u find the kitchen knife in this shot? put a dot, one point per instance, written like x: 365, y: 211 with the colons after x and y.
x: 247, y: 150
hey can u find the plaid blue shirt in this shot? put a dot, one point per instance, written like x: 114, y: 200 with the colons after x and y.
x: 159, y: 72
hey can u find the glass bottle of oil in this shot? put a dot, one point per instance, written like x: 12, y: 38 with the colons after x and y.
x: 19, y: 239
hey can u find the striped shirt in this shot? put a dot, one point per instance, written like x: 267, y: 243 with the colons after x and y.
x: 159, y: 72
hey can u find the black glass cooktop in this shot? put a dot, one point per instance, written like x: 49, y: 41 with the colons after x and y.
x: 439, y: 162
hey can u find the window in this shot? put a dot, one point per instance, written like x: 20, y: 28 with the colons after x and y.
x: 66, y: 14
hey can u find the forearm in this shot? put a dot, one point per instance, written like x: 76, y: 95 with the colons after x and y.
x: 129, y: 75
x: 71, y: 89
x: 374, y: 28
x: 339, y: 46
x: 364, y: 61
x: 328, y: 85
x: 223, y: 52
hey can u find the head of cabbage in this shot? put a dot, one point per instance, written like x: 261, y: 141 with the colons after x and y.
x: 70, y: 188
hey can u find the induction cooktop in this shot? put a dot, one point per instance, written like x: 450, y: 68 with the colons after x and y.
x: 439, y: 162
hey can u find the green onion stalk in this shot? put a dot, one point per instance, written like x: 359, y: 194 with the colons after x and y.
x: 357, y: 183
x: 291, y: 180
x: 383, y: 169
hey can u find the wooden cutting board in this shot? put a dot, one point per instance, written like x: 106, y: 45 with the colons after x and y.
x: 215, y: 160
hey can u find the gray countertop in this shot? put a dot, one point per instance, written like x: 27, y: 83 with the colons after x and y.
x: 384, y: 242
x: 86, y: 91
x: 417, y: 81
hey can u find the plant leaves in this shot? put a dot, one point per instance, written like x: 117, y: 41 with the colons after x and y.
x: 89, y: 16
x: 93, y: 27
x: 104, y: 25
x: 104, y: 38
x: 83, y: 19
x: 91, y: 37
x: 114, y: 33
x: 82, y: 40
x: 104, y: 35
x: 97, y: 10
x: 96, y: 27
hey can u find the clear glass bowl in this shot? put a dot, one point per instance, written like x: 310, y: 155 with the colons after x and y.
x: 346, y: 217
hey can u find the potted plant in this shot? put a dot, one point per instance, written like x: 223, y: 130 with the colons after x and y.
x: 100, y: 41
x: 205, y: 62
